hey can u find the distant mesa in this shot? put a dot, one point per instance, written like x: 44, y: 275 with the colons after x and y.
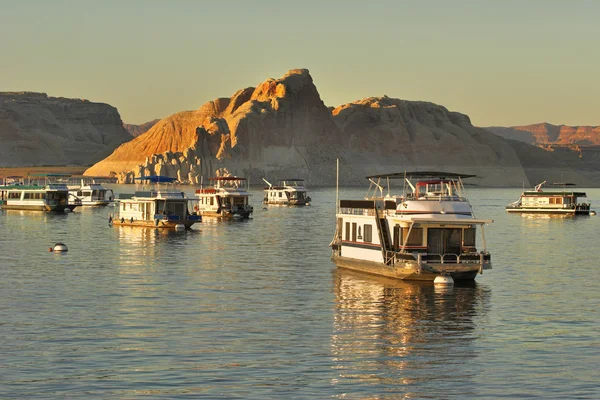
x: 544, y: 134
x: 36, y: 129
x: 137, y: 130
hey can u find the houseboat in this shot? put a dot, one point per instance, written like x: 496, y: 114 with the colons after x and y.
x: 227, y: 197
x: 157, y: 208
x: 33, y: 197
x: 289, y: 192
x: 90, y: 193
x: 427, y: 231
x: 550, y: 202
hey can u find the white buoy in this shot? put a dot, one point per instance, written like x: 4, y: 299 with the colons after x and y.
x: 179, y: 227
x: 592, y: 212
x: 60, y: 247
x: 443, y: 280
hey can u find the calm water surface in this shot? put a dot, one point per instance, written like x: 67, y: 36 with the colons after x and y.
x: 255, y: 309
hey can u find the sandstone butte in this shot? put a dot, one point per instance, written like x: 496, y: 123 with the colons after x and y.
x: 36, y: 129
x: 282, y: 128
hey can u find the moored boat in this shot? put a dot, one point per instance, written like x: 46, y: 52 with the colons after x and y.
x: 289, y: 192
x: 562, y: 201
x: 227, y: 197
x: 427, y: 231
x: 47, y: 196
x: 90, y: 193
x: 156, y: 208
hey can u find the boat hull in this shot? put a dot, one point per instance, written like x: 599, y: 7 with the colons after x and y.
x: 548, y: 211
x: 153, y: 224
x: 289, y: 202
x: 225, y: 215
x: 406, y: 270
x: 36, y: 207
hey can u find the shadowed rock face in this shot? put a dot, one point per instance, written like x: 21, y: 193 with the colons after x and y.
x: 281, y: 128
x: 39, y: 130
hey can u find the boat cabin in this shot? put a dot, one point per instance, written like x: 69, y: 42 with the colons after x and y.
x: 286, y: 192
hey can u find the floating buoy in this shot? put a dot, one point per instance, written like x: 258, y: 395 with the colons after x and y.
x: 592, y: 212
x: 179, y: 227
x: 58, y: 247
x: 443, y: 280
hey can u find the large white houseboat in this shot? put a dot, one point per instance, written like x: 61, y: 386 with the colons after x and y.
x: 289, y: 192
x: 550, y: 202
x: 90, y: 192
x: 157, y: 208
x: 427, y: 231
x: 35, y: 196
x: 227, y: 197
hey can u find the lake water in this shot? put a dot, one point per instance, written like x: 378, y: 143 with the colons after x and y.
x: 255, y: 309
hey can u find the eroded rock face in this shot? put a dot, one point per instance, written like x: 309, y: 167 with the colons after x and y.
x: 282, y: 128
x: 39, y: 130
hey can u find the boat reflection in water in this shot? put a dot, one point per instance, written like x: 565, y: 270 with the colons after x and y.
x: 142, y: 246
x: 405, y: 337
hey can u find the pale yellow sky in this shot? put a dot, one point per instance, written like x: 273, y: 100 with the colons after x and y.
x: 500, y: 62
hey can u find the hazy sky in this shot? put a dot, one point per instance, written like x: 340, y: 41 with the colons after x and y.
x: 501, y: 62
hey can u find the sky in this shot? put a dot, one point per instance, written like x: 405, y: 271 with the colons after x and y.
x: 501, y: 62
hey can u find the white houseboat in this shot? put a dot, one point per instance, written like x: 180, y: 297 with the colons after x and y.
x: 289, y: 192
x: 160, y: 208
x: 90, y: 193
x: 550, y: 202
x: 227, y: 197
x: 34, y: 197
x: 427, y: 231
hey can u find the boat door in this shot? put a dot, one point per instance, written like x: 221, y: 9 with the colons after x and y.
x: 443, y: 241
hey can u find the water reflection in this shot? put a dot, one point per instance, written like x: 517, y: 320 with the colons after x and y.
x: 406, y: 336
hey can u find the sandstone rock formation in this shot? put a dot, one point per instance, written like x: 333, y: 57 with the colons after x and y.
x: 39, y: 130
x: 282, y: 128
x: 137, y: 130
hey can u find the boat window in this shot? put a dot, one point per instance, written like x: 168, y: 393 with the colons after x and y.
x: 368, y: 233
x: 359, y: 233
x: 469, y: 237
x: 416, y: 237
x: 124, y: 205
x: 279, y: 194
x: 14, y: 195
x: 212, y: 201
x: 347, y: 231
x: 28, y: 195
x: 354, y: 231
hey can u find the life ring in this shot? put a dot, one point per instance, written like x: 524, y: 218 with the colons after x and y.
x: 195, y: 208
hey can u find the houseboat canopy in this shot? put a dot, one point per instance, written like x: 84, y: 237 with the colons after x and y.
x: 421, y: 174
